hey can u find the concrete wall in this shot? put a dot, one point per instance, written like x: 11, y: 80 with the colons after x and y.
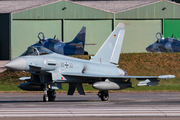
x: 24, y: 33
x: 97, y: 32
x: 139, y: 34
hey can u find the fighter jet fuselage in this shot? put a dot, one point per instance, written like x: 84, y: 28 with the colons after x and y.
x: 48, y: 70
x: 164, y: 45
x: 64, y: 48
x: 75, y: 47
x: 55, y: 65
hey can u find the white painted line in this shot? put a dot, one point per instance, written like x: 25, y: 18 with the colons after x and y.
x: 126, y: 111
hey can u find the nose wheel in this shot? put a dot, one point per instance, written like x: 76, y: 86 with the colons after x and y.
x: 45, y: 98
x: 104, y: 95
x: 49, y: 95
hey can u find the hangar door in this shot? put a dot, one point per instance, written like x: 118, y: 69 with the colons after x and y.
x: 139, y: 34
x: 24, y: 33
x: 97, y: 32
x: 172, y: 27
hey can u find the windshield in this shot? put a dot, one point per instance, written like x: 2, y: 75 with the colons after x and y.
x: 36, y: 50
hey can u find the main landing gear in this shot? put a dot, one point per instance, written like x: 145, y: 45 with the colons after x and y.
x: 49, y: 95
x: 104, y: 95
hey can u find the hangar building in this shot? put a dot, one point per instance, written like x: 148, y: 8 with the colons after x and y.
x: 22, y: 20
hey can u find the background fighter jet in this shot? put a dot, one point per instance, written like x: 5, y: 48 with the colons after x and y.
x: 164, y: 44
x: 75, y: 47
x: 49, y: 70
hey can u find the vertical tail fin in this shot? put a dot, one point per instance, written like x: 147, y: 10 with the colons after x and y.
x: 110, y: 50
x: 80, y: 37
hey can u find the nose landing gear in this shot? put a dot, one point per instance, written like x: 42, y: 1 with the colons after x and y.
x: 104, y: 95
x: 49, y: 95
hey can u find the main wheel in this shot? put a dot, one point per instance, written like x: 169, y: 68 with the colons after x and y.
x: 45, y: 98
x: 51, y: 95
x: 85, y: 53
x: 104, y: 95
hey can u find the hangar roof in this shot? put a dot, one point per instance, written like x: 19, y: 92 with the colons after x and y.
x: 116, y: 6
x: 113, y: 6
x: 8, y: 6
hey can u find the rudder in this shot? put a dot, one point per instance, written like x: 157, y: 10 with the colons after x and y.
x: 80, y: 37
x: 110, y: 50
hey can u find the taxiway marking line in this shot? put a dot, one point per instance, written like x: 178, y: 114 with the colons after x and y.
x: 9, y: 112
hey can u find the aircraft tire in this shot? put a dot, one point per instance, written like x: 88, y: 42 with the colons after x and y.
x: 85, y: 53
x: 51, y: 95
x: 45, y: 98
x: 104, y: 95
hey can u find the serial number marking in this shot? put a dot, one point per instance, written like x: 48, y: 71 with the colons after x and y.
x: 66, y: 65
x: 70, y: 65
x: 62, y: 64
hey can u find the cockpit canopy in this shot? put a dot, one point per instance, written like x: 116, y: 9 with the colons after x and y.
x: 159, y: 37
x: 36, y: 51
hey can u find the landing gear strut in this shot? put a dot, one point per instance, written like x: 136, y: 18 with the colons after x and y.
x: 103, y: 94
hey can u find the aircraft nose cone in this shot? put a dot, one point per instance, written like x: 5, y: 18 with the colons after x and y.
x: 16, y: 64
x: 149, y: 48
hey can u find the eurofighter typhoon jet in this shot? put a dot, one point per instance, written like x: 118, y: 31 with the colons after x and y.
x: 164, y: 45
x: 75, y: 47
x: 49, y: 70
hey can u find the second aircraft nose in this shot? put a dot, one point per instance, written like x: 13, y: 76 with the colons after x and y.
x: 149, y: 48
x: 18, y: 64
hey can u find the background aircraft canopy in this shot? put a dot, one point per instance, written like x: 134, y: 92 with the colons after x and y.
x: 36, y: 51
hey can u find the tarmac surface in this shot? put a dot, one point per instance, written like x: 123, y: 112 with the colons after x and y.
x: 141, y: 105
x: 128, y: 106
